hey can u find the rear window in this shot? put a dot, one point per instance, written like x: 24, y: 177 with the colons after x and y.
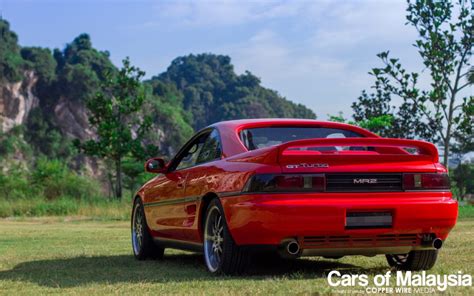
x: 256, y: 138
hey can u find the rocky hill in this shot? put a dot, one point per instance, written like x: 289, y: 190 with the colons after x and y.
x: 43, y: 94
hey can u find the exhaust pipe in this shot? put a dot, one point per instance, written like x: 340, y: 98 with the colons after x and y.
x: 292, y: 247
x: 437, y: 243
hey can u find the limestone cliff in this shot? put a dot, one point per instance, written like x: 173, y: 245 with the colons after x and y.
x: 16, y: 101
x: 71, y: 118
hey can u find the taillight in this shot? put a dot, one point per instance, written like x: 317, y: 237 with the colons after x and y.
x: 286, y: 183
x: 425, y: 181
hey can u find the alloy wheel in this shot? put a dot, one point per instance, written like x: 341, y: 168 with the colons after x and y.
x: 400, y: 258
x: 137, y: 229
x: 214, y: 239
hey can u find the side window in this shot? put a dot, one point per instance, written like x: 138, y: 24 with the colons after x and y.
x: 335, y: 136
x: 211, y: 149
x: 189, y: 157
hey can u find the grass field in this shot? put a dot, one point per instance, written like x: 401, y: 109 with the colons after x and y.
x: 98, y: 208
x: 56, y: 256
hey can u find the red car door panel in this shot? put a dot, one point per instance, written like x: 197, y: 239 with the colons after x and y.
x: 172, y: 200
x: 164, y: 211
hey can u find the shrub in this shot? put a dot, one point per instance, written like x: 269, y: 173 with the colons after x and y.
x: 462, y: 180
x: 14, y: 184
x: 57, y: 180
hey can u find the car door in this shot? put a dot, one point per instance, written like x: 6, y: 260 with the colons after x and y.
x: 199, y: 181
x: 165, y: 212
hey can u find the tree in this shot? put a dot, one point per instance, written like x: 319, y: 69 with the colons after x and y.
x: 45, y: 138
x: 41, y: 61
x: 43, y: 64
x: 214, y: 92
x: 445, y: 47
x: 464, y: 133
x: 114, y: 114
x: 11, y: 62
x: 376, y: 124
x: 463, y: 177
x: 81, y: 69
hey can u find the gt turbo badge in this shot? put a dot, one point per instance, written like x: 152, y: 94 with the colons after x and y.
x: 307, y: 165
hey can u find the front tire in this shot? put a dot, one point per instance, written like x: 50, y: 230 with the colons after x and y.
x: 414, y: 261
x: 221, y: 254
x: 142, y: 241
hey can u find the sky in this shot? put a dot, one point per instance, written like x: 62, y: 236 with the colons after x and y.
x: 317, y: 53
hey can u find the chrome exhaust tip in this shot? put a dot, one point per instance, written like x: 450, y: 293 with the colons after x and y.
x: 437, y: 243
x: 293, y: 248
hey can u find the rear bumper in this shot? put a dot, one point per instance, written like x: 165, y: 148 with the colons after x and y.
x: 317, y: 220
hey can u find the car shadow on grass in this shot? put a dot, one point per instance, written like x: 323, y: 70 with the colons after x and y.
x: 79, y: 271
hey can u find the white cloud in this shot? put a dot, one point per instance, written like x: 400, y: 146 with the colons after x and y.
x: 222, y: 13
x: 352, y: 23
x: 314, y: 52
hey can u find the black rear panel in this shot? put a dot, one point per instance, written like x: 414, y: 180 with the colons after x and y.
x: 359, y: 182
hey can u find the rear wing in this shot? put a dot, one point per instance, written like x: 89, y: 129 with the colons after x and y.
x: 376, y: 150
x: 385, y: 146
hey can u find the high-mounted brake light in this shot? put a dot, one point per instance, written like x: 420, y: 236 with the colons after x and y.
x: 286, y: 183
x: 425, y: 181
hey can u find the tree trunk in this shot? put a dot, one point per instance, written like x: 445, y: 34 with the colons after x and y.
x: 132, y: 191
x: 118, y: 181
x: 446, y: 152
x: 111, y: 191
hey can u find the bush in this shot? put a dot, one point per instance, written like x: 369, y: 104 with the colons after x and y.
x: 56, y: 180
x: 14, y: 184
x: 50, y: 188
x: 49, y: 179
x: 462, y: 180
x: 13, y: 142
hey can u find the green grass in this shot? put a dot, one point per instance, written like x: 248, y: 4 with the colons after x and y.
x: 466, y: 211
x: 95, y: 208
x: 53, y: 256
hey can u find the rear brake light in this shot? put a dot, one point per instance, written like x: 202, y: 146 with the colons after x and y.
x: 425, y: 181
x: 286, y: 183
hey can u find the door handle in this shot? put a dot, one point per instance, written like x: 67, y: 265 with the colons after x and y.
x: 181, y: 181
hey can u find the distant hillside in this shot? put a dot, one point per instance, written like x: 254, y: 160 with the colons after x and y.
x: 43, y: 94
x: 214, y: 92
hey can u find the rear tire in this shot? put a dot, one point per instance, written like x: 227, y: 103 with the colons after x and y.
x: 142, y: 242
x: 414, y: 261
x: 221, y: 254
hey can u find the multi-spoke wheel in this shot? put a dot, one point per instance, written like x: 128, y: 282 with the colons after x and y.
x: 397, y: 259
x: 220, y: 252
x: 213, y: 239
x: 415, y: 260
x: 142, y: 242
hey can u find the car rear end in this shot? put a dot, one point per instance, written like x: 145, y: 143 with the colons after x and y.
x: 345, y: 196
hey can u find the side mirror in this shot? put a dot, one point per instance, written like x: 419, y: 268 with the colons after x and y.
x: 155, y: 165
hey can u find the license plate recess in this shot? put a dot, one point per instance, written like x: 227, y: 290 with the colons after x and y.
x: 360, y: 220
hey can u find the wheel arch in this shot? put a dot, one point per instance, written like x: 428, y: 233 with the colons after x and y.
x: 137, y: 196
x: 205, y: 200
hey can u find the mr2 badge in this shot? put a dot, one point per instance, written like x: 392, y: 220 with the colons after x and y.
x: 364, y: 181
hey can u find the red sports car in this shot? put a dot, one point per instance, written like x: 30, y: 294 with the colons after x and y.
x: 298, y: 187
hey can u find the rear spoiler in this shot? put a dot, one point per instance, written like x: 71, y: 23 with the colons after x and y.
x: 391, y: 145
x: 387, y: 146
